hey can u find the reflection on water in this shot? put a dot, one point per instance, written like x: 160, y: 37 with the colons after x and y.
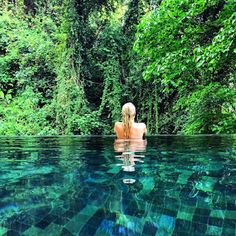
x: 130, y: 149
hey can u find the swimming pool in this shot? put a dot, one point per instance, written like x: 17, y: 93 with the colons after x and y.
x: 169, y: 185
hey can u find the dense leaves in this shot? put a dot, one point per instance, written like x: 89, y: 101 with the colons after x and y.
x: 190, y: 46
x: 66, y: 67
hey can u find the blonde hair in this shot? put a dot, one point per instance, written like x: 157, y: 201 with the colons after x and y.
x: 128, y: 114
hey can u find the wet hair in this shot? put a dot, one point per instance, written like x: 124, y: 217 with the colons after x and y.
x: 128, y: 113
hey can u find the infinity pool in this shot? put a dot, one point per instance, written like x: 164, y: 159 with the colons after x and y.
x: 167, y: 185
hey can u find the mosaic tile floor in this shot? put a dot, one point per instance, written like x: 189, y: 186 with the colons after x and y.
x: 97, y: 186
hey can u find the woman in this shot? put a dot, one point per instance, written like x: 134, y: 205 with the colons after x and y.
x: 128, y: 129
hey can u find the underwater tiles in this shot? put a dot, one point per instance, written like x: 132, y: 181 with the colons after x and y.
x: 105, y: 228
x: 228, y: 231
x: 101, y: 232
x: 183, y: 177
x: 99, y: 199
x: 215, y: 221
x: 199, y: 227
x: 202, y: 211
x: 171, y: 203
x: 204, y: 202
x: 39, y: 213
x: 131, y: 222
x: 229, y: 226
x: 184, y: 216
x: 33, y: 231
x: 77, y: 223
x: 149, y: 229
x: 230, y: 214
x: 153, y: 217
x: 206, y: 184
x: 133, y: 209
x: 89, y: 210
x: 187, y: 209
x: 96, y: 180
x: 58, y: 210
x: 165, y: 225
x: 3, y: 230
x: 114, y: 206
x: 188, y: 201
x: 148, y: 184
x: 61, y: 219
x: 154, y: 199
x: 79, y: 220
x: 53, y: 230
x: 66, y: 232
x: 213, y: 230
x: 218, y: 213
x: 45, y: 221
x: 93, y: 223
x: 18, y: 226
x: 182, y: 225
x: 231, y: 205
x: 200, y: 218
x: 114, y: 169
x: 120, y: 230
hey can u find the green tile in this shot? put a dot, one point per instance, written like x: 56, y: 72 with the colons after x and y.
x: 89, y: 210
x: 121, y: 219
x: 203, y: 203
x: 99, y: 180
x: 164, y: 232
x: 57, y: 210
x: 99, y: 203
x: 101, y: 232
x: 3, y: 230
x: 53, y: 230
x: 131, y: 222
x: 174, y: 193
x: 136, y: 224
x: 214, y: 166
x: 228, y: 231
x: 213, y: 230
x: 152, y: 217
x: 187, y: 209
x: 206, y: 184
x: 184, y: 216
x: 114, y: 205
x: 230, y: 214
x: 33, y: 231
x: 183, y: 178
x: 115, y: 170
x: 218, y: 214
x: 148, y: 184
x: 77, y: 223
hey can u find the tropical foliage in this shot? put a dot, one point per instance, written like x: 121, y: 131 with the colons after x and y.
x: 190, y: 48
x: 66, y: 67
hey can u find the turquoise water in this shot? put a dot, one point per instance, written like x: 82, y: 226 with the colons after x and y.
x: 167, y: 185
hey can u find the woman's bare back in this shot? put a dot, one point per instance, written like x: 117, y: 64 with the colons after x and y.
x: 137, y: 130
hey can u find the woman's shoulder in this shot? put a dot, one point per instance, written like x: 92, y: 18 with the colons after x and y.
x: 117, y: 123
x: 141, y: 125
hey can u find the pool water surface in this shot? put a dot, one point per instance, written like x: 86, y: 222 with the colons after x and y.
x: 71, y: 185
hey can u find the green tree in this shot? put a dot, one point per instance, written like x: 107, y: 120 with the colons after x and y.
x: 190, y: 48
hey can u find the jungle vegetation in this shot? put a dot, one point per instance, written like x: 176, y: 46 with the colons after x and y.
x: 67, y: 66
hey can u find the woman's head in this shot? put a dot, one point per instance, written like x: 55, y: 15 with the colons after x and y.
x: 128, y: 109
